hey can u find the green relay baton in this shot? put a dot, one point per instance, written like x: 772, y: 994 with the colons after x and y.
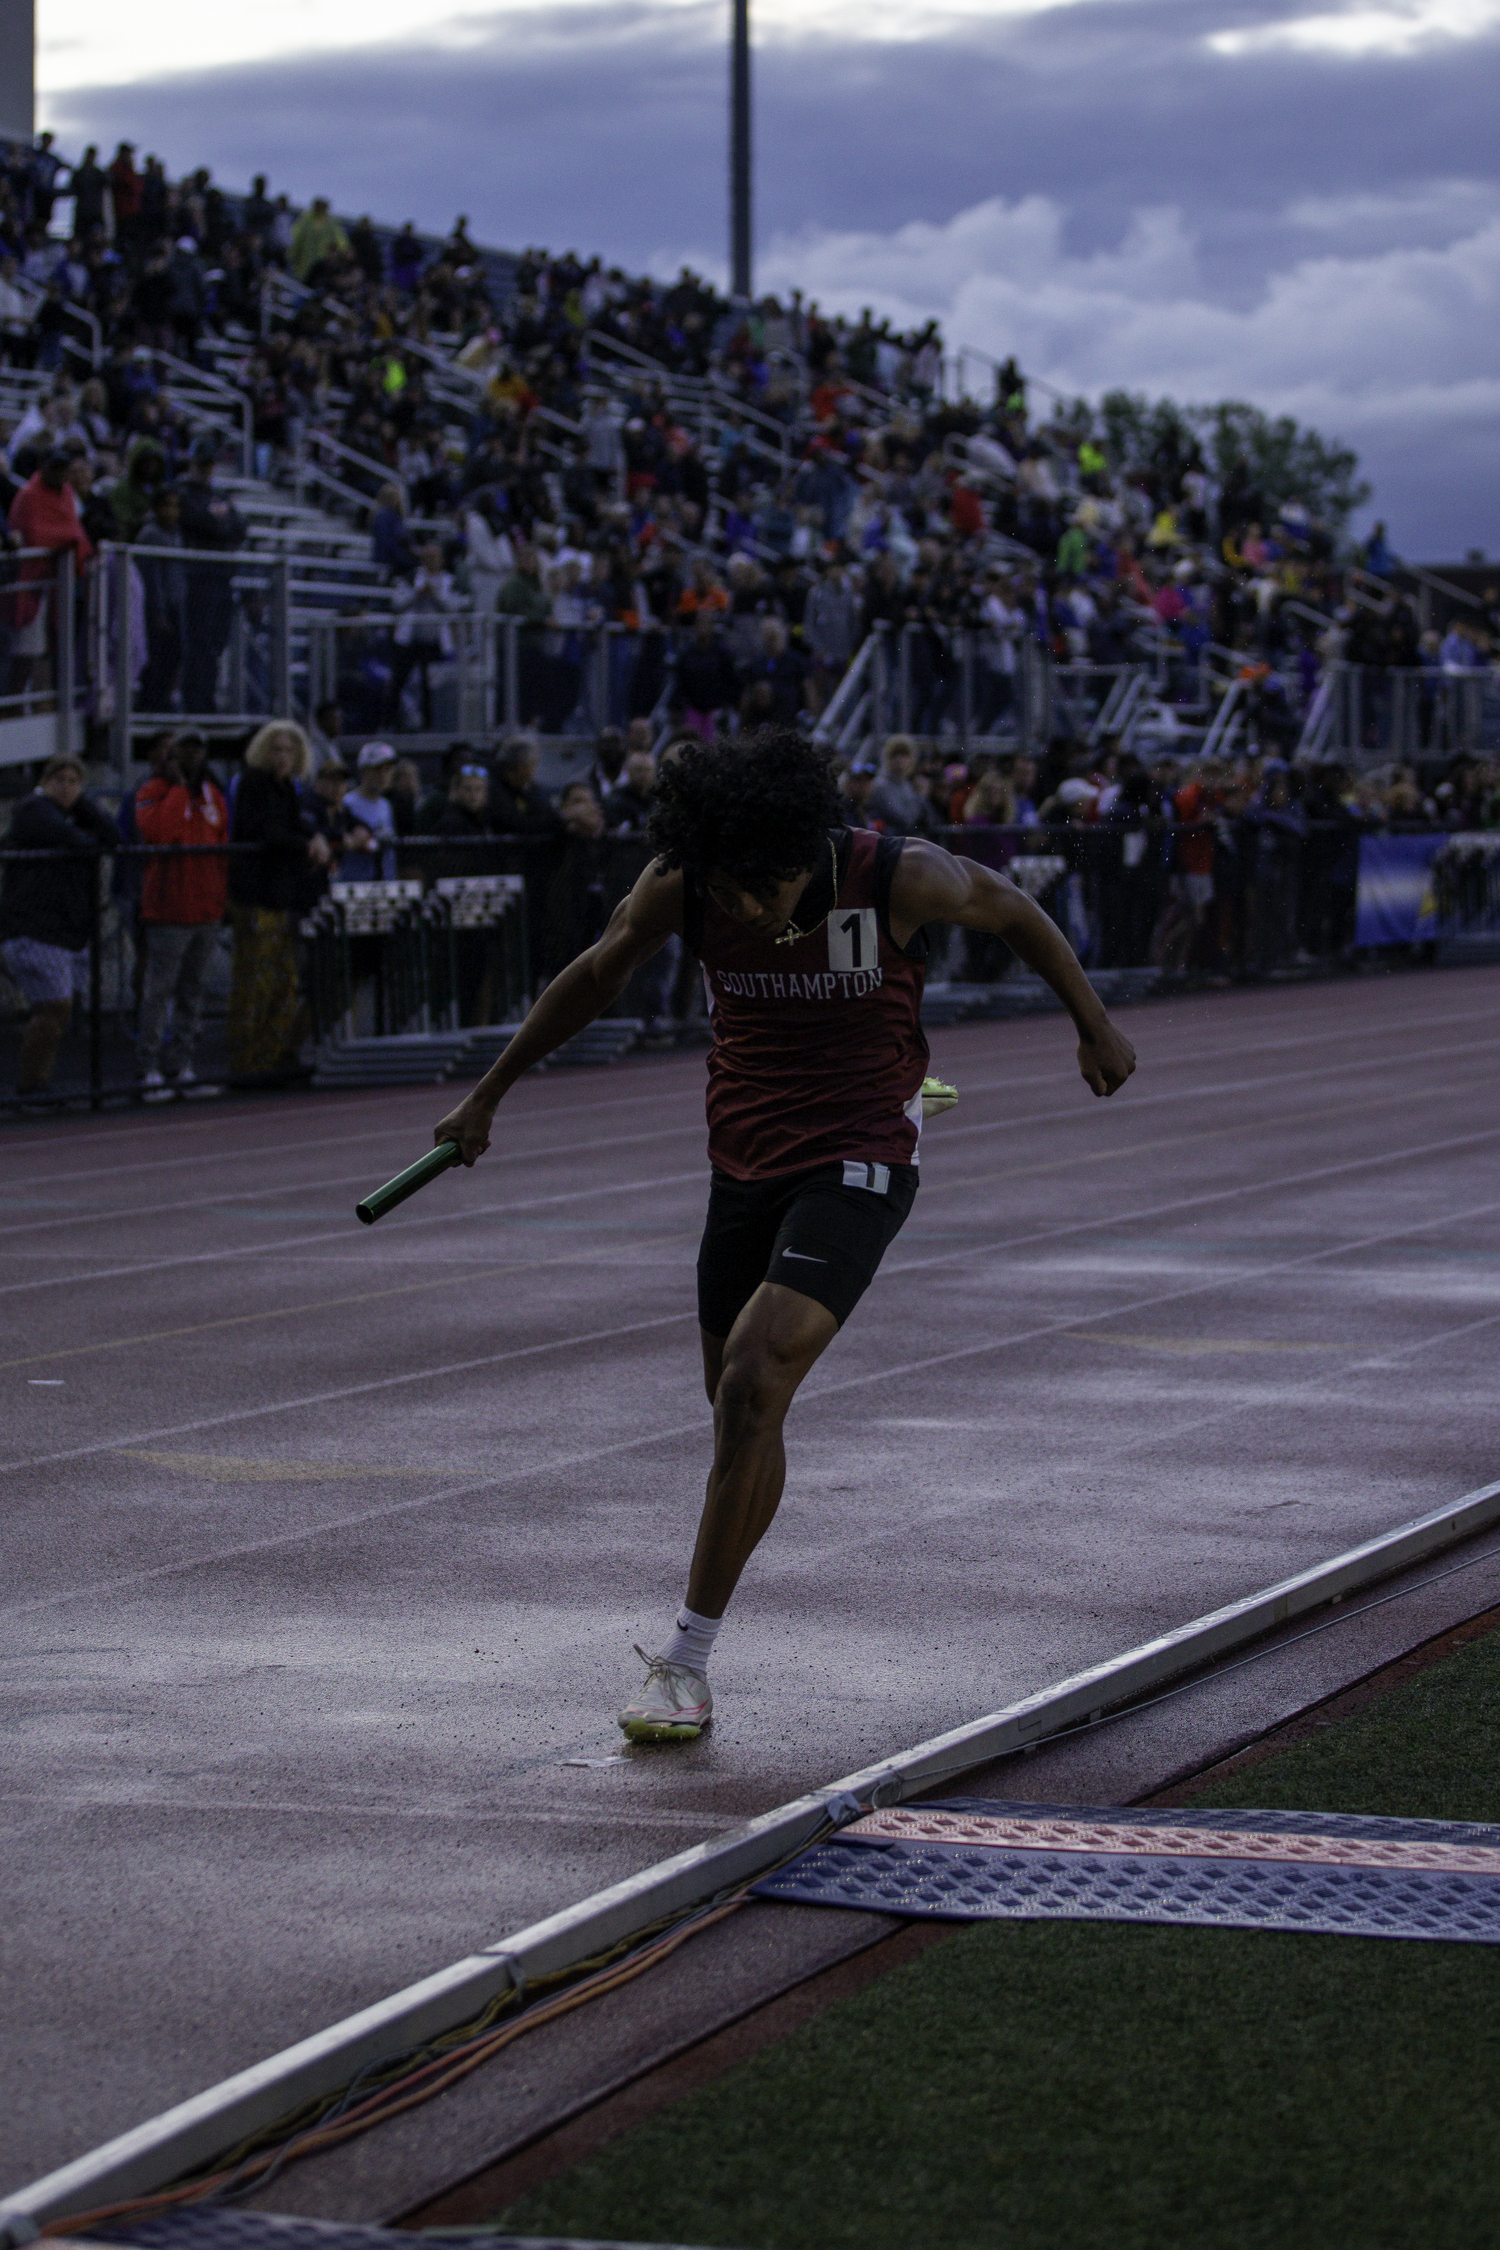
x: 439, y: 1159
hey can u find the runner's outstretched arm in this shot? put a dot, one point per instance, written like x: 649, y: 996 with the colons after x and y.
x: 639, y: 927
x: 933, y: 885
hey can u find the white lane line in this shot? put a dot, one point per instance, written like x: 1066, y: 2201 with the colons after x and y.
x: 89, y: 1215
x: 543, y: 1116
x: 192, y: 2133
x: 356, y: 1390
x: 516, y: 1121
x: 1265, y: 1119
x: 307, y: 1241
x: 941, y: 1258
x: 651, y: 1233
x: 1255, y: 1121
x: 538, y: 1470
x: 529, y: 1098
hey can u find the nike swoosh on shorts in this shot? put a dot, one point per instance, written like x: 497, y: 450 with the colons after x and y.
x: 803, y: 1256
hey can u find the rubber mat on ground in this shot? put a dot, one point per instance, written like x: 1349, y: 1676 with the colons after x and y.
x: 211, y: 2228
x: 977, y: 1859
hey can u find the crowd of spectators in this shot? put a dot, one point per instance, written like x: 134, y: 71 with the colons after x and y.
x: 745, y: 492
x: 1208, y: 868
x: 746, y: 534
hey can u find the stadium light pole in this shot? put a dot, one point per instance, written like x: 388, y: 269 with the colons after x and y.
x: 739, y: 152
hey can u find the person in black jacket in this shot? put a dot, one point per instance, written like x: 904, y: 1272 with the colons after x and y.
x: 467, y: 815
x: 211, y: 524
x: 523, y: 811
x: 265, y: 890
x: 48, y: 909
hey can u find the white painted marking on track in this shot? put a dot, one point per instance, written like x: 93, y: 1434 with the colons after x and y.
x: 535, y: 1113
x: 1263, y: 1120
x: 306, y: 1241
x: 557, y: 1467
x: 911, y: 1266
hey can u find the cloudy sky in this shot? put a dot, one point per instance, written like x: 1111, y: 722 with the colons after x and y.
x: 1281, y: 200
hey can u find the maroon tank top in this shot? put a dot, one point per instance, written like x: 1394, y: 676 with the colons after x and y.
x: 818, y: 1052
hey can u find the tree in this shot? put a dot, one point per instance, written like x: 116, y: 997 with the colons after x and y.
x: 1279, y: 458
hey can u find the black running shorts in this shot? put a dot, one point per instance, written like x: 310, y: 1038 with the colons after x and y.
x: 822, y: 1233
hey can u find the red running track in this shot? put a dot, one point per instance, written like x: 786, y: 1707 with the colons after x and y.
x: 326, y: 1546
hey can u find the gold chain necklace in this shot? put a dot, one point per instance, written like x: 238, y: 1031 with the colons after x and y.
x: 791, y: 934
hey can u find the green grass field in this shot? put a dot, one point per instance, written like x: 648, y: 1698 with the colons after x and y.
x: 1063, y: 2086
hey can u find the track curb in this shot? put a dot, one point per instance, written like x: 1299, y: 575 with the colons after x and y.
x: 152, y: 2154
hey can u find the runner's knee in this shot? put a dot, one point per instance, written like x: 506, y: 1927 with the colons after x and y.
x: 755, y: 1388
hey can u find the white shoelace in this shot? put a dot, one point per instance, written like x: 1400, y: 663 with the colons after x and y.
x: 657, y: 1667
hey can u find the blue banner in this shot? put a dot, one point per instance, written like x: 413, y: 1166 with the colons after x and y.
x: 1393, y: 887
x: 1412, y: 888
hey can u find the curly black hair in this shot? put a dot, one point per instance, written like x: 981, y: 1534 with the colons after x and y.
x: 757, y: 806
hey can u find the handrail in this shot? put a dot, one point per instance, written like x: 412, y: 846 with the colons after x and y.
x: 736, y: 405
x: 956, y: 451
x: 313, y: 435
x: 550, y: 414
x: 1032, y: 382
x: 1444, y: 586
x: 850, y: 686
x: 1301, y: 609
x: 1219, y: 728
x: 184, y: 374
x: 1356, y: 581
x: 249, y: 556
x: 1318, y: 722
x: 1119, y: 705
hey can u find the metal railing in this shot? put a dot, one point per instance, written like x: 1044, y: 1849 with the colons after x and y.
x: 1265, y: 894
x: 181, y: 634
x: 1366, y: 714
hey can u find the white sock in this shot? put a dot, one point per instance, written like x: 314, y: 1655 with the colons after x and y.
x: 692, y: 1641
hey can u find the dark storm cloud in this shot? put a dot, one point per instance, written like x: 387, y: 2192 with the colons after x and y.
x: 606, y: 125
x: 604, y: 128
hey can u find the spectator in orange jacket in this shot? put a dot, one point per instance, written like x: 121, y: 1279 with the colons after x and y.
x: 182, y: 905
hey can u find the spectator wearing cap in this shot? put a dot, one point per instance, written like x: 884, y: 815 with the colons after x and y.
x: 182, y: 905
x: 211, y: 524
x: 324, y: 807
x: 369, y: 822
x: 48, y: 909
x: 435, y: 797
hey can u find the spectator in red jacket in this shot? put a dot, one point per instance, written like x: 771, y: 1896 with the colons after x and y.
x: 182, y: 904
x: 44, y: 513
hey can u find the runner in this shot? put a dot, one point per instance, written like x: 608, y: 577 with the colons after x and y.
x: 811, y: 940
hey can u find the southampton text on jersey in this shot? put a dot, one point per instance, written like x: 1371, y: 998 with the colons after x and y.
x: 816, y: 984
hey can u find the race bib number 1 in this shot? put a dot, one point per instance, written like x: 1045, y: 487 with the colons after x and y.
x: 853, y: 938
